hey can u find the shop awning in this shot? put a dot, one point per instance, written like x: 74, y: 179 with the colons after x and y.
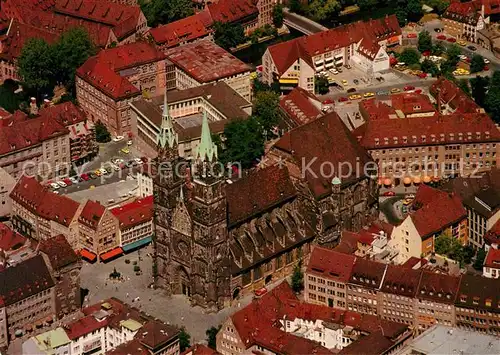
x: 289, y: 81
x: 111, y: 254
x: 137, y: 244
x: 88, y: 255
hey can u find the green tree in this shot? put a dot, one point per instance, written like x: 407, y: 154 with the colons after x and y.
x: 414, y: 10
x: 438, y: 49
x: 36, y: 66
x: 464, y: 85
x: 72, y: 49
x: 278, y: 16
x: 439, y: 6
x: 295, y: 6
x: 102, y: 134
x: 495, y: 79
x: 9, y: 101
x: 410, y: 56
x: 298, y: 277
x: 480, y: 256
x: 321, y: 85
x: 428, y: 66
x: 228, y: 35
x: 477, y: 63
x: 492, y: 103
x: 367, y: 4
x: 184, y: 339
x: 424, y: 41
x: 321, y: 10
x: 453, y: 54
x: 266, y: 110
x: 479, y: 87
x: 160, y: 12
x: 244, y: 142
x: 212, y: 336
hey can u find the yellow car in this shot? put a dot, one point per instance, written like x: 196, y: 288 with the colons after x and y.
x: 462, y: 43
x: 369, y: 94
x: 98, y: 172
x: 395, y: 90
x: 344, y: 82
x: 125, y: 150
x: 355, y: 97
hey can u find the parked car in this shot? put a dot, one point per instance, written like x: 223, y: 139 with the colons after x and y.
x: 422, y: 75
x: 368, y: 94
x: 144, y: 159
x: 412, y: 35
x: 68, y: 181
x: 138, y: 160
x: 409, y: 87
x: 486, y: 68
x: 418, y: 91
x: 109, y: 170
x: 98, y: 172
x: 130, y: 163
x: 441, y: 37
x: 74, y: 179
x: 354, y: 97
x: 451, y: 40
x: 118, y: 138
x: 395, y: 90
x: 344, y: 82
x: 129, y: 142
x: 389, y: 193
x: 462, y: 43
x: 486, y: 61
x: 125, y: 150
x: 85, y: 177
x: 438, y: 30
x: 122, y: 165
x: 103, y: 171
x: 54, y: 186
x: 382, y: 93
x: 93, y: 175
x: 343, y: 99
x: 116, y: 167
x: 61, y: 183
x: 356, y: 81
x: 351, y: 90
x: 472, y: 48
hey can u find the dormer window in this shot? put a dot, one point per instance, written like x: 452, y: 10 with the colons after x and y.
x: 442, y: 137
x: 478, y: 135
x: 487, y: 134
x: 377, y: 141
x: 414, y: 139
x: 487, y: 302
x: 475, y: 300
x: 433, y: 137
x: 452, y: 136
x: 423, y: 138
x: 405, y: 139
x: 460, y: 136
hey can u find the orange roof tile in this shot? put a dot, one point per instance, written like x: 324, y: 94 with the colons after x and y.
x: 134, y: 213
x: 91, y: 214
x: 301, y: 106
x: 331, y: 264
x: 492, y: 258
x: 177, y: 32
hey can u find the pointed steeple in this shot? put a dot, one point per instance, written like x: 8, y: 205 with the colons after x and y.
x: 206, y: 150
x: 167, y: 138
x: 181, y: 195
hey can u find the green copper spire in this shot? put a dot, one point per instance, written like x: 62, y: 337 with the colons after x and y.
x: 167, y: 136
x: 206, y: 150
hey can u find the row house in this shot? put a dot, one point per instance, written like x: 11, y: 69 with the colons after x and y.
x: 464, y: 19
x: 449, y: 98
x: 136, y: 223
x: 98, y: 232
x: 204, y: 62
x: 7, y: 183
x: 41, y: 214
x: 28, y: 298
x: 110, y: 327
x: 362, y: 44
x: 109, y: 81
x: 433, y: 213
x: 480, y: 195
x: 364, y: 284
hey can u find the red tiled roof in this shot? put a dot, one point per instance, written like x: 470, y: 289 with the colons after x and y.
x: 375, y: 109
x: 65, y: 114
x: 274, y: 187
x: 492, y: 258
x: 18, y: 35
x: 185, y: 30
x: 491, y: 7
x: 452, y: 95
x: 232, y: 10
x: 10, y: 239
x: 29, y: 193
x: 205, y: 61
x: 91, y: 214
x: 26, y: 133
x: 328, y: 140
x: 413, y: 261
x: 463, y: 12
x: 286, y: 53
x: 400, y: 280
x: 199, y: 349
x: 83, y: 326
x: 440, y: 288
x: 440, y: 129
x: 59, y: 251
x: 367, y: 273
x: 130, y: 347
x: 102, y: 70
x: 123, y: 18
x: 373, y: 343
x: 411, y: 103
x: 348, y: 243
x: 134, y: 213
x: 154, y: 334
x: 438, y: 210
x: 301, y: 106
x: 330, y: 264
x: 492, y: 236
x: 479, y: 292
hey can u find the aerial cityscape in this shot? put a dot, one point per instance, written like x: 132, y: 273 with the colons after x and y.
x: 224, y: 177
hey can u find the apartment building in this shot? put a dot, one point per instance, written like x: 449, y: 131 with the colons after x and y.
x: 480, y: 195
x: 136, y: 223
x: 41, y: 214
x: 449, y: 98
x: 361, y: 44
x: 491, y: 266
x: 326, y: 277
x: 186, y: 108
x: 204, y: 62
x: 477, y: 305
x: 37, y: 146
x: 434, y: 302
x: 432, y: 213
x: 28, y: 295
x: 99, y: 232
x: 464, y: 19
x: 7, y: 183
x: 109, y: 81
x: 364, y: 284
x: 300, y: 107
x: 64, y: 265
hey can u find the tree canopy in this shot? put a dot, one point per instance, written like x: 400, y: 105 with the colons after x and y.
x: 408, y: 10
x: 428, y: 66
x: 212, y: 336
x: 298, y: 278
x: 321, y: 10
x: 229, y: 35
x: 266, y: 110
x: 184, y: 339
x: 410, y: 56
x: 424, y: 41
x: 278, y: 16
x: 439, y: 6
x: 479, y: 87
x: 37, y: 66
x: 159, y: 12
x: 480, y: 256
x: 321, y: 85
x: 102, y: 134
x: 477, y: 63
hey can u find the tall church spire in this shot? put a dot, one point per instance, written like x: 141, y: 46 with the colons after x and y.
x: 206, y: 150
x: 167, y: 138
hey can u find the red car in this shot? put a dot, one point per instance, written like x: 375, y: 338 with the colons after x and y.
x: 85, y: 177
x: 451, y: 40
x: 343, y: 99
x: 409, y: 87
x: 426, y: 53
x: 412, y: 35
x: 422, y: 75
x: 68, y: 182
x: 441, y: 37
x: 419, y: 91
x: 389, y: 193
x: 486, y: 68
x: 328, y: 102
x: 260, y: 292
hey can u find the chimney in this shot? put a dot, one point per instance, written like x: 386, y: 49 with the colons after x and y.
x: 33, y: 107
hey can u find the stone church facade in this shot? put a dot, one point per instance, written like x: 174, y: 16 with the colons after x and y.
x: 216, y: 239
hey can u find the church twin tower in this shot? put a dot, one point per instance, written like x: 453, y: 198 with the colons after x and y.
x: 191, y: 235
